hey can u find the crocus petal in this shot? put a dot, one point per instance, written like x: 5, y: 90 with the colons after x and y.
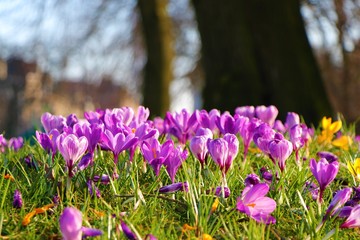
x: 127, y: 231
x: 90, y: 232
x: 353, y: 220
x: 264, y: 205
x: 258, y: 190
x: 71, y: 224
x: 264, y: 218
x: 18, y: 202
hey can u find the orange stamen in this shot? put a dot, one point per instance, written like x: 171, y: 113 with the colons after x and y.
x: 8, y: 176
x: 43, y: 209
x: 251, y: 205
x: 28, y: 217
x: 215, y: 205
x: 187, y: 227
x: 154, y: 152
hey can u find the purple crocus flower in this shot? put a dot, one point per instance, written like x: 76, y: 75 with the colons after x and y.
x: 219, y: 192
x: 256, y: 205
x: 175, y: 187
x: 313, y: 189
x: 30, y: 162
x: 150, y: 237
x: 182, y: 125
x: 198, y: 147
x: 105, y: 179
x: 116, y: 118
x: 92, y: 132
x: 263, y: 134
x: 117, y: 142
x: 56, y: 199
x: 206, y: 132
x: 324, y: 172
x: 48, y: 141
x: 71, y: 120
x: 143, y: 131
x: 174, y: 161
x: 279, y: 126
x: 71, y: 225
x: 207, y: 119
x: 86, y: 161
x: 141, y: 117
x: 218, y: 149
x: 344, y: 212
x: 50, y: 122
x: 266, y: 175
x: 247, y: 130
x: 233, y: 146
x: 267, y: 114
x: 295, y: 134
x: 292, y: 119
x: 228, y: 124
x: 92, y: 188
x: 3, y: 143
x: 95, y: 117
x: 71, y: 148
x: 355, y: 199
x: 17, y: 202
x: 353, y: 220
x: 330, y: 157
x: 246, y: 111
x: 250, y: 180
x: 155, y: 153
x: 16, y: 143
x: 340, y: 198
x: 280, y: 149
x: 127, y: 231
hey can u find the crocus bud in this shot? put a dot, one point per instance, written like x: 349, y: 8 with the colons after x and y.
x: 266, y: 175
x: 218, y: 149
x: 353, y: 219
x: 206, y: 132
x: 71, y: 120
x: 233, y: 146
x: 175, y: 187
x: 267, y: 114
x: 218, y: 192
x: 251, y: 179
x: 71, y: 223
x: 280, y: 149
x: 198, y: 148
x: 330, y: 157
x: 246, y: 111
x: 324, y: 172
x: 127, y: 231
x: 18, y: 202
x: 338, y: 200
x: 16, y: 143
x: 292, y: 119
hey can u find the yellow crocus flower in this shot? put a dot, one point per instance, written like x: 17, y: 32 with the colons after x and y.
x: 355, y: 168
x: 329, y: 129
x: 343, y: 142
x: 206, y: 236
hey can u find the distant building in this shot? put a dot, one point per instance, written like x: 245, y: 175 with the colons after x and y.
x: 26, y: 92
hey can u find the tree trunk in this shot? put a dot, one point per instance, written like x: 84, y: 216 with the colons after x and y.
x: 158, y: 70
x: 257, y: 52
